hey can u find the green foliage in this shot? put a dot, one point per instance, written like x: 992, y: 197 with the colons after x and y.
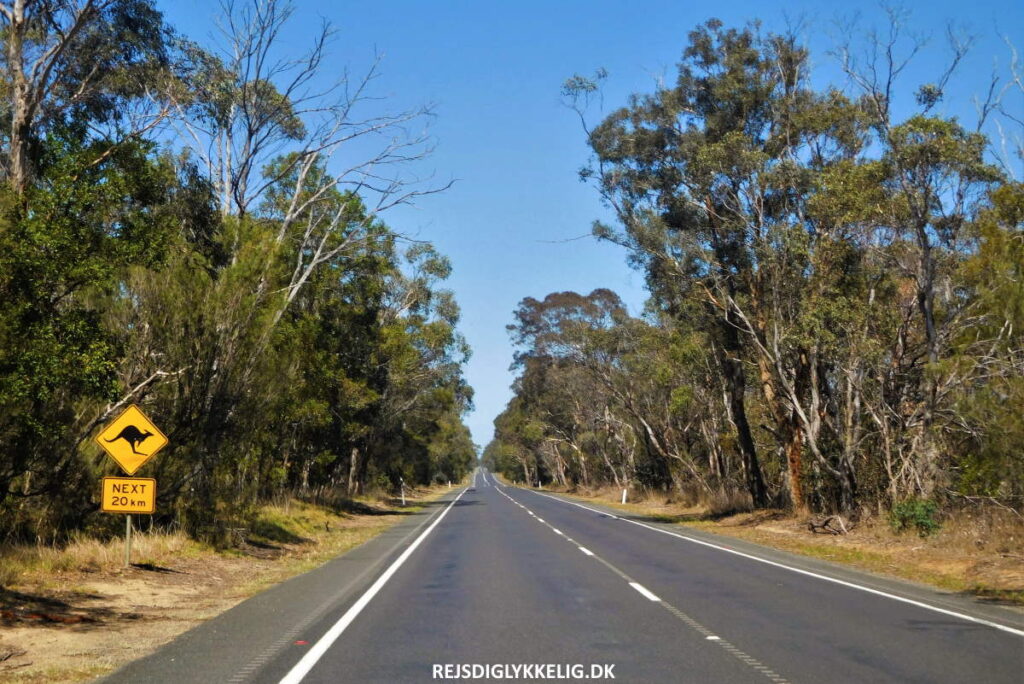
x: 915, y: 514
x: 291, y: 348
x: 835, y: 312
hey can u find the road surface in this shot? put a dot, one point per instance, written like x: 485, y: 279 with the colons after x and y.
x: 510, y: 578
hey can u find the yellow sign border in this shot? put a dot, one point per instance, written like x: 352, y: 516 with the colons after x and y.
x: 103, y: 499
x: 149, y: 420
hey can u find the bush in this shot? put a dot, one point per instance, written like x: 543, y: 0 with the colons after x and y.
x: 918, y: 514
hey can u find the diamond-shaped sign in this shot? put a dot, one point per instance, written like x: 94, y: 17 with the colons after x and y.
x: 131, y: 439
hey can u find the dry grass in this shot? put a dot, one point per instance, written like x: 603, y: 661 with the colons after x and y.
x: 86, y: 555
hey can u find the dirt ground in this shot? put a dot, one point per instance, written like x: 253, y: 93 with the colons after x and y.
x: 79, y: 618
x: 978, y: 553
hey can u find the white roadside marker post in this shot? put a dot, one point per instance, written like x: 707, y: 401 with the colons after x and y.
x: 624, y: 495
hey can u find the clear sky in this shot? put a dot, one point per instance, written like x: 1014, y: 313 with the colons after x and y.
x: 494, y: 70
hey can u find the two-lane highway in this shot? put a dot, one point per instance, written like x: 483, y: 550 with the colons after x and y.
x: 491, y: 585
x: 539, y: 586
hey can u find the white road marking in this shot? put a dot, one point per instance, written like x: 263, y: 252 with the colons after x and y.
x: 713, y: 638
x: 735, y: 652
x: 540, y: 520
x: 643, y: 590
x: 852, y: 585
x: 302, y: 668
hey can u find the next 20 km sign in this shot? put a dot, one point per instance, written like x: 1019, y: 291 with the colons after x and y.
x: 128, y: 495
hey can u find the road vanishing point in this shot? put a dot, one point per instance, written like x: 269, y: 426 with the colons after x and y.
x: 525, y: 585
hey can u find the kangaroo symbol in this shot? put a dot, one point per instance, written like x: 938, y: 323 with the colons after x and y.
x: 134, y: 436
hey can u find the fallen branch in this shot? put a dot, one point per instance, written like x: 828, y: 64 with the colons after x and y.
x: 832, y: 524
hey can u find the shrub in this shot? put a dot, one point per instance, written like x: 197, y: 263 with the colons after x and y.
x: 918, y: 514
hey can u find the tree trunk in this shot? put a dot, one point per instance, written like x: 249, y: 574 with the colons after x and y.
x: 21, y: 117
x: 736, y: 386
x: 794, y: 464
x: 353, y: 473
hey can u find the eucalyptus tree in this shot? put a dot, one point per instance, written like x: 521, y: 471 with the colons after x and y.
x: 84, y: 65
x: 709, y: 178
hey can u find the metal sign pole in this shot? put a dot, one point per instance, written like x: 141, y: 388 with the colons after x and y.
x: 128, y: 540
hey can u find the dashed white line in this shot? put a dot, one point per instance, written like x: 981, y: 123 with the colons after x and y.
x: 701, y: 629
x: 643, y: 590
x: 834, y: 580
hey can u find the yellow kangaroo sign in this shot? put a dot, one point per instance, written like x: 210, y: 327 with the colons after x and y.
x: 131, y: 439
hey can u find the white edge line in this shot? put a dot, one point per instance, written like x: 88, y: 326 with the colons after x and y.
x: 302, y: 668
x: 643, y: 590
x: 586, y: 551
x: 834, y: 580
x: 557, y: 531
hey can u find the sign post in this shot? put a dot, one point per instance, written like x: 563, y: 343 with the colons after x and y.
x: 131, y: 439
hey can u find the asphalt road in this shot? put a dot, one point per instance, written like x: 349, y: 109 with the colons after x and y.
x: 501, y: 576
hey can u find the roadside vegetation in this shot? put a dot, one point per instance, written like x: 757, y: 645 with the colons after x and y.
x: 836, y: 315
x: 198, y: 228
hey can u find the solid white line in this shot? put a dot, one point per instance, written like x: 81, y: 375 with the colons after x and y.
x: 643, y: 590
x: 586, y: 551
x: 302, y: 668
x: 557, y: 531
x: 834, y: 580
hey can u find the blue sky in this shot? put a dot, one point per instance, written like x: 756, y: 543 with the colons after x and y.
x: 493, y: 70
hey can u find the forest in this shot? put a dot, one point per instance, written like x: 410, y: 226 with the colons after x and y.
x: 835, y: 321
x: 199, y: 229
